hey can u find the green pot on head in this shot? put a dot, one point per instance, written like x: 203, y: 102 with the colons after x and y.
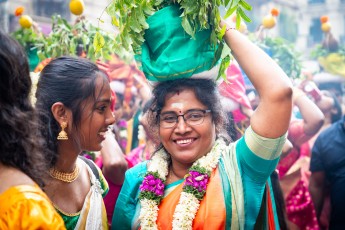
x: 169, y: 53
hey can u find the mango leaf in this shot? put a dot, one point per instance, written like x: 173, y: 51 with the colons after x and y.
x: 230, y: 11
x: 187, y: 27
x: 243, y: 15
x: 134, y: 23
x: 245, y: 5
x: 98, y: 42
x: 221, y: 33
x: 234, y: 3
x: 238, y: 19
x: 223, y: 66
x: 218, y: 54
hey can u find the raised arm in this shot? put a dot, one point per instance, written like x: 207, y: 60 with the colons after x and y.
x: 272, y: 117
x: 114, y: 162
x: 313, y: 117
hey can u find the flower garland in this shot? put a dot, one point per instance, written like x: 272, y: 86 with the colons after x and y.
x: 193, y: 191
x: 34, y: 79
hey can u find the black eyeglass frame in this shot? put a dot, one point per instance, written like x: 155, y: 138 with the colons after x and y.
x: 204, y: 111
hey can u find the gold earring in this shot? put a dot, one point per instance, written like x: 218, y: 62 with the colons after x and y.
x: 62, y: 133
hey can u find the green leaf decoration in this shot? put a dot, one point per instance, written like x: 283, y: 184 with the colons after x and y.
x: 320, y: 51
x: 131, y: 15
x: 79, y: 39
x: 230, y: 11
x: 98, y: 42
x: 223, y: 66
x: 243, y: 15
x: 245, y: 5
x: 27, y: 37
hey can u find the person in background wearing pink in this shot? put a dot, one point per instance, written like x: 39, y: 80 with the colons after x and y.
x: 293, y: 167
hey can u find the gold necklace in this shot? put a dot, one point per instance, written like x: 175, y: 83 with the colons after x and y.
x: 65, y: 177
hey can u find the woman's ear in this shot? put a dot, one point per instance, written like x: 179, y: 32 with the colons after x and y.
x: 60, y: 112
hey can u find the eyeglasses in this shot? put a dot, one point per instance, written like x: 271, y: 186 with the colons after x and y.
x: 192, y: 117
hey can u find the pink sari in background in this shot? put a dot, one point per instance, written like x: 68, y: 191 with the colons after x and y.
x: 294, y: 180
x: 113, y: 193
x: 138, y: 155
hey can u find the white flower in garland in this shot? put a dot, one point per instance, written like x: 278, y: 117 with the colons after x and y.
x: 185, y: 211
x: 194, y: 188
x: 34, y: 81
x: 149, y: 217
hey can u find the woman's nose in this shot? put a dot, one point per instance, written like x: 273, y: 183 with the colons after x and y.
x: 181, y: 125
x: 110, y: 118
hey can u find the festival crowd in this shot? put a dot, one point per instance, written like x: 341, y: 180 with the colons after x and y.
x: 89, y: 146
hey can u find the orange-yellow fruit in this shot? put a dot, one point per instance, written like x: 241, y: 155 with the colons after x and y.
x: 269, y: 21
x: 19, y: 11
x: 25, y: 21
x: 323, y: 19
x: 275, y: 12
x: 326, y: 27
x: 76, y: 7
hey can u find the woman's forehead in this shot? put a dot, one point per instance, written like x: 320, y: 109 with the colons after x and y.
x: 182, y: 100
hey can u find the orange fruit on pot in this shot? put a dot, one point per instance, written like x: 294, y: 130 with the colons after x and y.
x: 76, y: 7
x: 326, y: 27
x: 19, y: 11
x: 323, y: 19
x: 269, y: 21
x: 25, y: 21
x: 275, y: 12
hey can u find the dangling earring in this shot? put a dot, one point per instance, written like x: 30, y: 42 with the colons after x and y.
x: 62, y: 133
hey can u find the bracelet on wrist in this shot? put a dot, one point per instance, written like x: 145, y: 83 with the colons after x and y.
x: 230, y: 28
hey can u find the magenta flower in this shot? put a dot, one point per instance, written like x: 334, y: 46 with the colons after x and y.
x: 152, y: 185
x: 196, y: 182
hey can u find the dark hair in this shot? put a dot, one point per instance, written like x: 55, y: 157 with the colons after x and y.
x: 147, y: 106
x: 205, y: 91
x: 338, y: 115
x: 21, y: 146
x: 120, y: 98
x: 68, y: 80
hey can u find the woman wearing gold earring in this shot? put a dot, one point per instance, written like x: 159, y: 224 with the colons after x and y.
x: 62, y: 134
x: 73, y: 99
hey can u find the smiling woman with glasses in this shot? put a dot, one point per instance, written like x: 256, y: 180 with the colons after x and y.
x: 197, y: 178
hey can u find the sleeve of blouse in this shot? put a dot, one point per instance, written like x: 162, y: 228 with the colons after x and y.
x: 30, y: 214
x: 258, y: 156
